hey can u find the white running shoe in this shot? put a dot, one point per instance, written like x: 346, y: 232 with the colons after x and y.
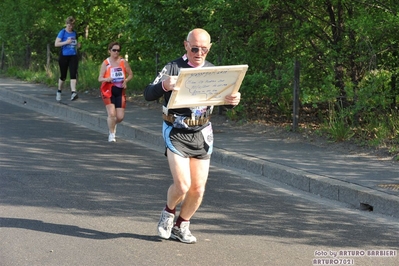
x: 183, y: 233
x: 74, y: 96
x: 111, y: 137
x: 165, y: 224
x: 58, y: 96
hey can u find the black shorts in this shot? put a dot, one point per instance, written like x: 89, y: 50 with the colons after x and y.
x: 118, y: 97
x: 189, y: 144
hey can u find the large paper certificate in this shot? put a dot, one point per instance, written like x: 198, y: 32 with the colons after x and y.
x: 206, y: 86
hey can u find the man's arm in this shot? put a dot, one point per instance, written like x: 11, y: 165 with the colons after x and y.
x: 156, y: 89
x: 153, y: 91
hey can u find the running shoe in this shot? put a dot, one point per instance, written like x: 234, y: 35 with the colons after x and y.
x: 111, y: 137
x: 58, y: 96
x: 165, y: 224
x: 183, y: 233
x: 74, y: 96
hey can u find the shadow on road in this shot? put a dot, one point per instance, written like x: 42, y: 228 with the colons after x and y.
x: 69, y: 230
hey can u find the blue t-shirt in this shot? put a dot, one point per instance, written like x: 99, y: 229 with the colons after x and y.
x: 69, y: 49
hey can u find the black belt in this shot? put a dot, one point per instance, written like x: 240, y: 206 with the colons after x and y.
x: 190, y: 122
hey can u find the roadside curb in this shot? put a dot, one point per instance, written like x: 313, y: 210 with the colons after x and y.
x: 325, y: 187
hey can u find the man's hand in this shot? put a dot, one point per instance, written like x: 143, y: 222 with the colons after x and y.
x: 233, y: 99
x: 169, y: 83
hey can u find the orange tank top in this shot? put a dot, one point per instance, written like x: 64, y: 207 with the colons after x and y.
x: 118, y: 74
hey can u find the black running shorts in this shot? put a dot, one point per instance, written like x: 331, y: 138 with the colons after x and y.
x: 188, y: 144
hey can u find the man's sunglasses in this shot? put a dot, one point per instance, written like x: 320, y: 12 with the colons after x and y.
x: 116, y: 50
x: 197, y: 49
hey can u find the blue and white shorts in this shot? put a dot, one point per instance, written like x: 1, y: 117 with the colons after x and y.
x: 189, y: 144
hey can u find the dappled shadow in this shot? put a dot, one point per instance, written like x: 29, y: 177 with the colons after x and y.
x: 69, y: 169
x: 252, y: 209
x: 351, y: 166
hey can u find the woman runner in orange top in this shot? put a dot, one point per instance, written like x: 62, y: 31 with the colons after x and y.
x: 115, y: 73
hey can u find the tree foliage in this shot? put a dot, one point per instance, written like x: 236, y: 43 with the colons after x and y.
x: 347, y: 49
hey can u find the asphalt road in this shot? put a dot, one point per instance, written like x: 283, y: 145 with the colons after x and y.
x: 68, y: 197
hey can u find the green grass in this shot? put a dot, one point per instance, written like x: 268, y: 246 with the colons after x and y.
x: 87, y: 77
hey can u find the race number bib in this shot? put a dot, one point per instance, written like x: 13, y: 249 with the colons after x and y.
x: 198, y: 110
x: 208, y: 134
x: 117, y: 75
